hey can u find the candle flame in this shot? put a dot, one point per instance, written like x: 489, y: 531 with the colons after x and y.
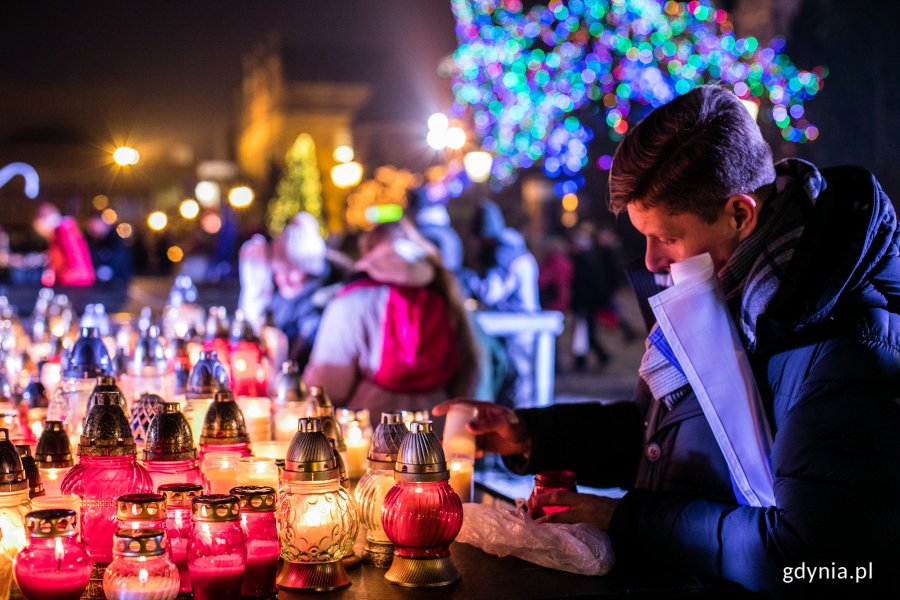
x: 37, y: 428
x: 354, y: 434
x: 58, y: 553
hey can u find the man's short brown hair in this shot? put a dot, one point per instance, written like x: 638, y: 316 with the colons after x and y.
x: 691, y: 155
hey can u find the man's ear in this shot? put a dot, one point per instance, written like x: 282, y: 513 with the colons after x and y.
x: 744, y: 213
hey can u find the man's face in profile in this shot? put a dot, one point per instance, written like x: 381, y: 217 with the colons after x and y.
x: 673, y: 237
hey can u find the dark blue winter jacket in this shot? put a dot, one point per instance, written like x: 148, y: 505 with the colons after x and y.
x: 828, y: 367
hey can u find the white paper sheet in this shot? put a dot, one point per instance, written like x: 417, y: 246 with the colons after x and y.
x: 695, y: 319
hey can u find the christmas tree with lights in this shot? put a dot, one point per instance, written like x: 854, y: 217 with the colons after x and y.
x: 300, y: 187
x: 538, y: 83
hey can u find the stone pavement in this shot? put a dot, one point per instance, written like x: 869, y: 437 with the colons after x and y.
x: 617, y: 379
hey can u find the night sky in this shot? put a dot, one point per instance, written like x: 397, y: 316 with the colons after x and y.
x: 181, y: 61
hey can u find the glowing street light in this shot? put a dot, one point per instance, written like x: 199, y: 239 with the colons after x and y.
x: 157, y: 220
x: 346, y: 175
x: 478, y: 165
x: 125, y: 156
x: 240, y: 196
x: 437, y: 139
x: 456, y: 138
x: 438, y: 122
x: 189, y: 208
x: 207, y: 193
x: 343, y: 154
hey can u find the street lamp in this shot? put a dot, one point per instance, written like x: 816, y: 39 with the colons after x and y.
x: 346, y: 175
x: 207, y: 193
x: 125, y: 156
x: 478, y: 165
x: 240, y: 196
x: 456, y: 138
x: 189, y: 208
x: 157, y: 220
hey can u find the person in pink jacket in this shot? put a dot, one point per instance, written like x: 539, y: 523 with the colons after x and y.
x: 396, y: 337
x: 68, y: 257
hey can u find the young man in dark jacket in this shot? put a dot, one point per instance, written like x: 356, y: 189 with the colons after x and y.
x: 809, y: 264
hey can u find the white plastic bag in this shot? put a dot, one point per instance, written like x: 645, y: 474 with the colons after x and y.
x: 581, y: 548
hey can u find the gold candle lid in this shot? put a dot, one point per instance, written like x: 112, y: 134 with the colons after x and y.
x: 224, y: 422
x: 141, y: 507
x: 56, y: 522
x: 421, y: 457
x: 53, y: 449
x: 310, y: 457
x: 139, y: 542
x: 180, y: 495
x: 255, y: 498
x: 216, y: 508
x: 386, y: 441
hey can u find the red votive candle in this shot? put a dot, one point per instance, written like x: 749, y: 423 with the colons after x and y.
x: 54, y: 564
x: 217, y: 554
x: 260, y: 538
x: 179, y: 526
x: 552, y: 481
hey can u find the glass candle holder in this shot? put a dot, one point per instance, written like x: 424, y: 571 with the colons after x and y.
x: 35, y: 483
x: 170, y: 455
x: 272, y: 449
x: 261, y: 539
x: 57, y: 501
x: 289, y: 386
x: 220, y: 471
x: 224, y: 429
x: 149, y: 370
x: 317, y: 517
x: 141, y: 568
x: 323, y: 408
x: 207, y: 377
x: 421, y: 514
x: 375, y: 484
x: 107, y: 468
x: 53, y: 564
x: 257, y: 413
x: 53, y: 456
x: 357, y: 450
x: 14, y: 505
x: 87, y: 360
x: 256, y: 471
x: 141, y: 511
x: 458, y: 443
x: 179, y: 526
x: 217, y: 555
x: 248, y: 370
x: 552, y: 481
x: 286, y: 418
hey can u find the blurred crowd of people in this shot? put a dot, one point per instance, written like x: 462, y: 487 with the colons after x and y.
x: 373, y: 316
x: 375, y: 324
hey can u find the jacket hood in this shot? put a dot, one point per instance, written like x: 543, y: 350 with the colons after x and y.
x: 847, y: 255
x: 400, y: 262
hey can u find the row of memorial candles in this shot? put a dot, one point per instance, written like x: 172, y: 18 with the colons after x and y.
x: 349, y: 457
x: 302, y: 515
x: 106, y: 401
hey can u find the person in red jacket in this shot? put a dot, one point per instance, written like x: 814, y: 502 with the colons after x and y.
x: 68, y: 258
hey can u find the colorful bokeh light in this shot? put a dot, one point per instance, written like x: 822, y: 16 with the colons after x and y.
x: 536, y: 84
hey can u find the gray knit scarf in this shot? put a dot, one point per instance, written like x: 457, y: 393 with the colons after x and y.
x: 752, y: 275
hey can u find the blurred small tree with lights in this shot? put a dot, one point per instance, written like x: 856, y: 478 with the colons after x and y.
x: 300, y: 186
